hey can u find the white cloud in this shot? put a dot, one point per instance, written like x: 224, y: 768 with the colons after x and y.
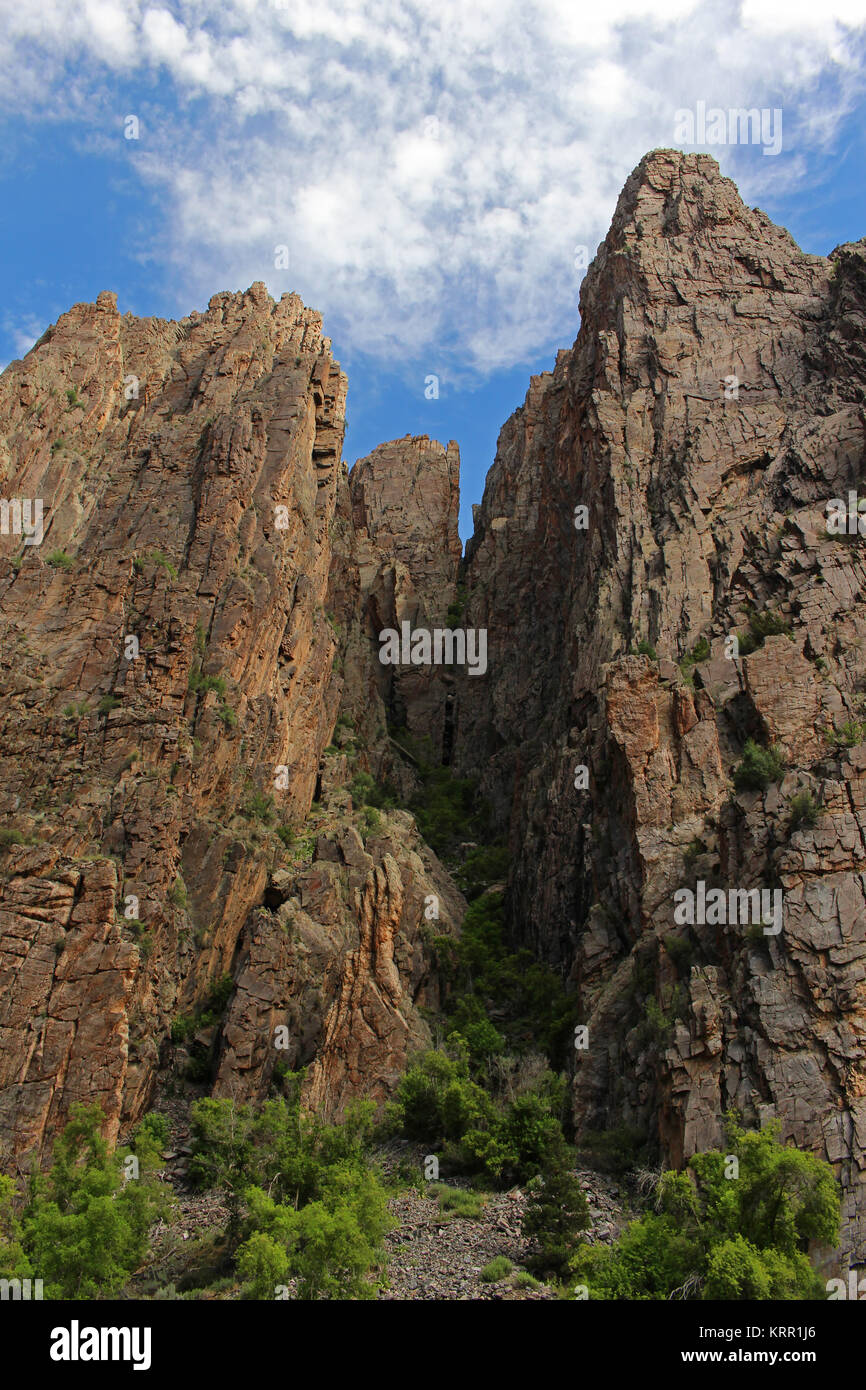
x: 430, y: 168
x: 23, y: 332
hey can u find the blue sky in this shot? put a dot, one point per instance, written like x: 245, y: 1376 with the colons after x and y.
x: 431, y: 170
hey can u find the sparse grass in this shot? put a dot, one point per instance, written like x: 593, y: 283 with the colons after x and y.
x: 457, y: 1202
x: 259, y: 807
x: 178, y: 893
x: 155, y: 557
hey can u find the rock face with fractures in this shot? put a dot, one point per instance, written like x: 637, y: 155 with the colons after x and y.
x: 405, y: 504
x: 711, y: 406
x: 177, y: 788
x: 172, y: 658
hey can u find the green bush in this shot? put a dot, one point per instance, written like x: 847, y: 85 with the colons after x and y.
x: 805, y: 811
x: 852, y: 733
x: 482, y: 868
x: 556, y: 1210
x: 616, y: 1150
x: 499, y: 1268
x: 761, y: 625
x: 259, y: 807
x: 83, y: 1230
x: 714, y: 1235
x: 307, y: 1186
x: 157, y: 558
x: 366, y: 791
x: 645, y: 648
x: 262, y: 1264
x: 760, y: 767
x: 201, y: 684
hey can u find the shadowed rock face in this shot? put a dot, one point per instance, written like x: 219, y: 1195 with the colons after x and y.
x: 405, y: 505
x: 711, y: 406
x: 195, y: 500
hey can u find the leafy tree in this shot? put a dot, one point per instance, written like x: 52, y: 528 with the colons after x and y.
x: 555, y: 1212
x: 14, y: 1263
x: 85, y: 1230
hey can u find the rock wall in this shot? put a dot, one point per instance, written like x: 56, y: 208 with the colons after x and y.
x: 172, y: 658
x: 710, y: 407
x: 405, y: 506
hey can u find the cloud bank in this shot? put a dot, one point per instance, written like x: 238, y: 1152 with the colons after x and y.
x: 428, y: 171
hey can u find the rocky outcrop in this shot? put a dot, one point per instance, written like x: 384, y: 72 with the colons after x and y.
x: 405, y: 504
x: 711, y: 406
x: 171, y: 669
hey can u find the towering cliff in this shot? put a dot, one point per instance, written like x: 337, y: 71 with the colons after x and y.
x: 712, y: 405
x: 172, y: 658
x: 193, y: 701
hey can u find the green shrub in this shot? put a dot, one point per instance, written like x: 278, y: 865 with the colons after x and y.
x: 482, y: 868
x: 60, y: 560
x: 10, y: 837
x: 852, y: 733
x: 228, y: 716
x: 524, y: 1280
x: 761, y: 625
x: 107, y: 704
x: 83, y: 1230
x: 556, y: 1210
x: 201, y: 684
x: 306, y: 1185
x: 457, y: 607
x: 262, y: 1264
x: 760, y: 767
x: 805, y: 811
x: 645, y: 648
x: 716, y: 1236
x: 366, y: 791
x: 499, y: 1268
x: 436, y: 1100
x: 617, y: 1150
